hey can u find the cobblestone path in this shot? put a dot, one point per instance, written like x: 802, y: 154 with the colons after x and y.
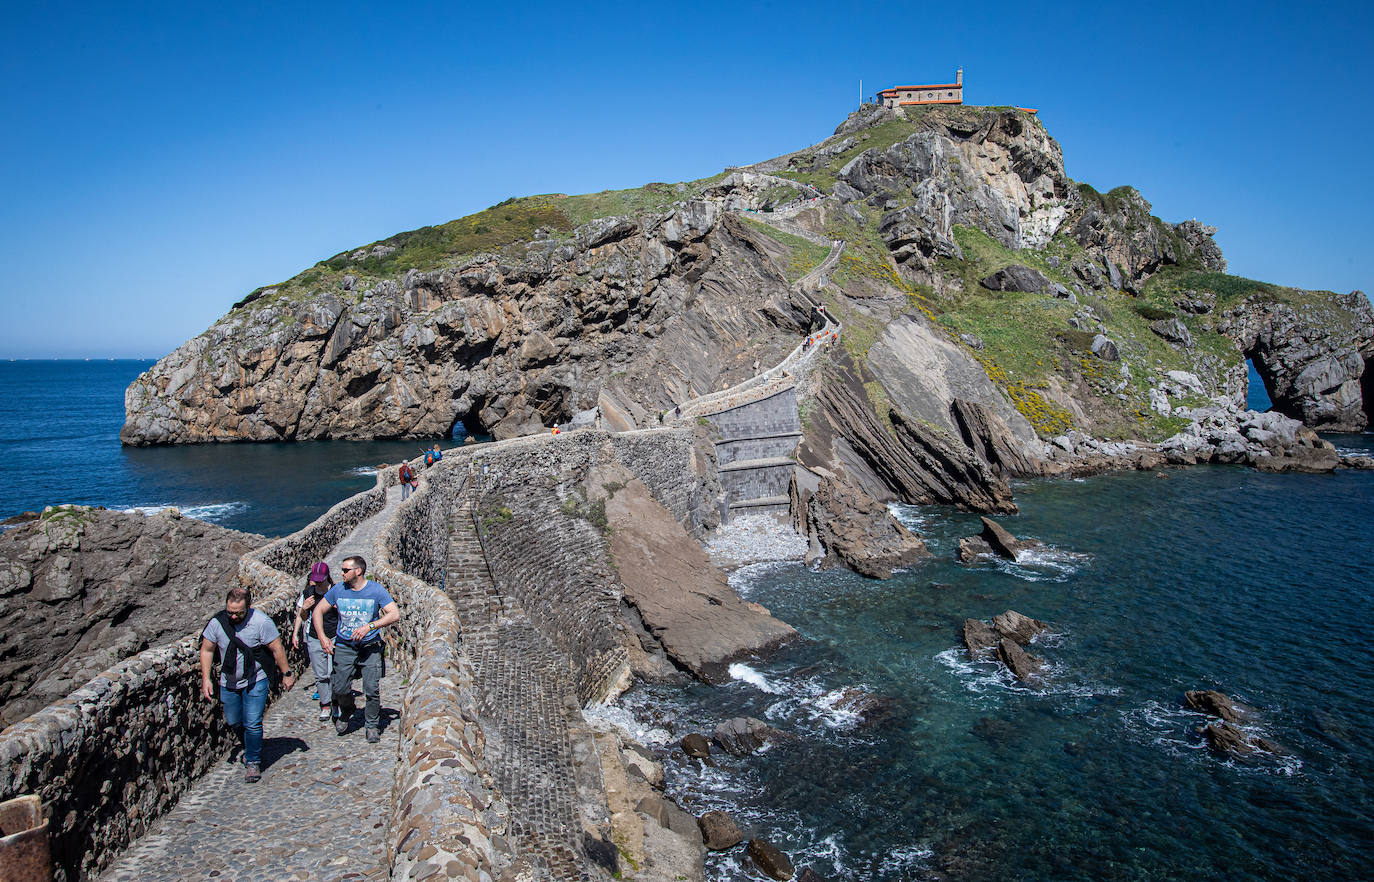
x: 526, y: 698
x: 319, y: 812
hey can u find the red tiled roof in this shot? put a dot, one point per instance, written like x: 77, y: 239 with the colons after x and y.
x: 934, y: 86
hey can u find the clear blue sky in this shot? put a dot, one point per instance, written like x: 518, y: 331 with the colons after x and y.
x: 161, y: 160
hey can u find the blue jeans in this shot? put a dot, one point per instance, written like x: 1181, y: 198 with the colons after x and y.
x: 243, y: 711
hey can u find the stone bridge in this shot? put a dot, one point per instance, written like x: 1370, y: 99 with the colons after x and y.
x: 512, y: 623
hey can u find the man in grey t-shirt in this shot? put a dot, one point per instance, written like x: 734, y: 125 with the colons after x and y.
x: 243, y: 682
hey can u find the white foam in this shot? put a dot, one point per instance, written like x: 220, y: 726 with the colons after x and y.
x: 210, y: 513
x: 743, y: 672
x: 909, y: 516
x: 745, y: 579
x: 367, y: 471
x: 1174, y: 729
x: 626, y: 722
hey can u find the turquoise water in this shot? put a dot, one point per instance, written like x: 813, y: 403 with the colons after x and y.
x: 59, y: 443
x: 1257, y: 585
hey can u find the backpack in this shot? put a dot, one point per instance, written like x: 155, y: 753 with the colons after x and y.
x: 429, y: 457
x: 406, y: 475
x: 254, y: 657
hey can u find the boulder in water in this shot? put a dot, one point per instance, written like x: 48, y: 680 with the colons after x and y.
x: 1000, y: 540
x: 1022, y: 629
x: 770, y: 860
x: 1227, y: 738
x: 979, y: 639
x: 1021, y: 663
x: 719, y: 830
x: 695, y: 745
x: 742, y: 736
x: 973, y: 547
x: 1212, y: 703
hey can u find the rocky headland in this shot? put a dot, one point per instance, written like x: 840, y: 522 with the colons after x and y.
x: 999, y: 319
x: 84, y: 588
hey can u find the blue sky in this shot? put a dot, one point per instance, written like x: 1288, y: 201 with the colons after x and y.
x: 162, y: 160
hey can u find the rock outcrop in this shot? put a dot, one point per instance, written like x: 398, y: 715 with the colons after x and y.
x: 1313, y: 356
x: 858, y: 531
x: 84, y: 588
x: 683, y: 600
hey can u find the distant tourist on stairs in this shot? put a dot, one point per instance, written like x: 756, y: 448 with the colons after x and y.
x: 364, y: 608
x: 409, y: 480
x: 317, y: 585
x: 248, y: 643
x: 433, y: 455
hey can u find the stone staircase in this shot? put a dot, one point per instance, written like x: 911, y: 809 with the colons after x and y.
x: 527, y: 700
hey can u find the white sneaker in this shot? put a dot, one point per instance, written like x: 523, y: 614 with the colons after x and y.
x: 324, y: 712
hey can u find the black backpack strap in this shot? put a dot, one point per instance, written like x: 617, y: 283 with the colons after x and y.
x: 229, y: 664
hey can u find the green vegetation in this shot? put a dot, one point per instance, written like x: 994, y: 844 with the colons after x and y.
x: 881, y: 136
x: 494, y: 515
x: 1027, y: 339
x: 803, y: 255
x: 508, y: 222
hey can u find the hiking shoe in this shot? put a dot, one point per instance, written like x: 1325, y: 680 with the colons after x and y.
x: 340, y: 726
x: 324, y: 712
x: 251, y: 773
x: 373, y: 736
x: 315, y: 696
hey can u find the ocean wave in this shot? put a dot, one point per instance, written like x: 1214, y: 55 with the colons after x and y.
x: 910, y: 516
x: 1043, y: 563
x: 366, y: 471
x: 746, y: 674
x: 211, y: 513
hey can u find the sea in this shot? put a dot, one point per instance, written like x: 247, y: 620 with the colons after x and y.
x: 1152, y: 584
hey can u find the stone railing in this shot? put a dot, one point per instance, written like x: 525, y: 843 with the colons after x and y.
x: 447, y: 818
x: 111, y: 757
x: 783, y: 375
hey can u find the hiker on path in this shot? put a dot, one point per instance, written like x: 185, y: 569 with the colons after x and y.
x: 317, y: 585
x: 433, y: 455
x: 364, y: 608
x: 409, y: 480
x: 248, y: 643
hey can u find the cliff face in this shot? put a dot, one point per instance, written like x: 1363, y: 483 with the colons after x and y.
x: 630, y: 313
x: 974, y: 270
x: 85, y: 588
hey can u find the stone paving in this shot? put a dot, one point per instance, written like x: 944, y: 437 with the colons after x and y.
x: 320, y: 810
x: 526, y: 700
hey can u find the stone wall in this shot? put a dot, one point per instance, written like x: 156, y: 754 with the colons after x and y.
x: 118, y: 752
x: 447, y: 818
x: 766, y: 417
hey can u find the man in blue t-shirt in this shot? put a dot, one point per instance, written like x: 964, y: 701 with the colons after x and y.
x: 364, y: 607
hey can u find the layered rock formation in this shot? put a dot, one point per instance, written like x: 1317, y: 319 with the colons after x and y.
x: 989, y: 305
x: 85, y: 588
